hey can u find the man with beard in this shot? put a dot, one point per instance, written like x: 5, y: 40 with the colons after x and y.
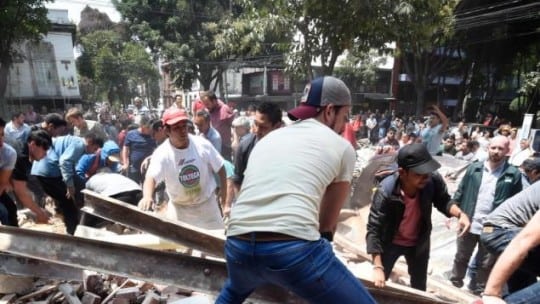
x: 267, y: 119
x: 400, y: 216
x: 483, y: 188
x: 295, y: 184
x: 221, y: 116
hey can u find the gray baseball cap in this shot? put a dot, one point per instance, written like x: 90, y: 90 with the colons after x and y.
x: 318, y: 93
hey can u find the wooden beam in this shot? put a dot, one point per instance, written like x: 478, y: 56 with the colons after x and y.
x: 174, y: 231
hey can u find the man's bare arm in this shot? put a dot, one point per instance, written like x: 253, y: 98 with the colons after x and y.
x: 333, y: 199
x: 513, y: 256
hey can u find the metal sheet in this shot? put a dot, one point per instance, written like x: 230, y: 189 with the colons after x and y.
x: 174, y: 231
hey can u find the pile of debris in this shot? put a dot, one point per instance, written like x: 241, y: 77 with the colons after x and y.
x: 98, y: 288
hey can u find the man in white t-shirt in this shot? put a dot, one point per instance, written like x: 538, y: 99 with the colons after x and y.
x: 295, y: 184
x: 186, y: 164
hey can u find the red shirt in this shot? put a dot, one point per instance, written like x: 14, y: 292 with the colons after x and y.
x: 349, y: 135
x: 409, y: 227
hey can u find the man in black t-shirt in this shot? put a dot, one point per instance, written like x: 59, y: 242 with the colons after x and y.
x: 36, y: 148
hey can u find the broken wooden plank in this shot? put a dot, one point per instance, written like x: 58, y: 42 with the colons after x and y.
x: 174, y: 231
x: 42, y: 291
x: 143, y: 240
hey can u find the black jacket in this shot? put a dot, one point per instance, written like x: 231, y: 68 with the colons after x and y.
x: 387, y: 210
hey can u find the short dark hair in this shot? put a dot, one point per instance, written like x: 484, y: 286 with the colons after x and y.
x: 96, y: 140
x: 204, y: 114
x: 16, y: 115
x: 55, y: 119
x: 2, y: 123
x: 156, y: 124
x: 41, y: 138
x: 271, y: 110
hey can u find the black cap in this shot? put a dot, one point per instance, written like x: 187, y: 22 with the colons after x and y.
x: 416, y: 157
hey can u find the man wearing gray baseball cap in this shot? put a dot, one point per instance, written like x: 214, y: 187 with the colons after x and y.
x: 295, y: 184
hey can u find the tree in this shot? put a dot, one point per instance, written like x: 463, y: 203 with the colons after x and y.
x: 529, y: 93
x: 180, y: 32
x: 20, y: 20
x: 422, y: 29
x: 359, y: 71
x: 115, y: 67
x: 307, y: 31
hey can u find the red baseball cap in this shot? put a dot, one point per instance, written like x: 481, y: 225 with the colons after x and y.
x: 173, y: 116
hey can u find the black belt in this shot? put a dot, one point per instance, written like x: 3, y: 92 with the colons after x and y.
x: 264, y: 236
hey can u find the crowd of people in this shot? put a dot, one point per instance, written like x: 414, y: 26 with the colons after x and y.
x: 276, y: 189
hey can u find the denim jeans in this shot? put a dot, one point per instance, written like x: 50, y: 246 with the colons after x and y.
x: 496, y: 241
x: 528, y: 295
x: 308, y: 268
x: 417, y: 263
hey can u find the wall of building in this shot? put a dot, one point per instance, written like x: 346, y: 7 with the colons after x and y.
x: 47, y: 72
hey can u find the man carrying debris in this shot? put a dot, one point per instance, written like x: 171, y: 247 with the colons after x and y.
x: 187, y: 164
x: 295, y: 184
x: 400, y: 216
x: 38, y: 142
x: 57, y: 177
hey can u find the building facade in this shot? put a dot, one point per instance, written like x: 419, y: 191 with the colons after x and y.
x: 46, y: 76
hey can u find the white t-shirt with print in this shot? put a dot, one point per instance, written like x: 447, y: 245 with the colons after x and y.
x: 189, y: 179
x: 286, y: 177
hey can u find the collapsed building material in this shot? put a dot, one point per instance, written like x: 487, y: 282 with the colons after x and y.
x: 174, y: 231
x: 203, y: 275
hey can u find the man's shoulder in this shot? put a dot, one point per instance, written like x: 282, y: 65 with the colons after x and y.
x: 213, y: 133
x: 8, y: 151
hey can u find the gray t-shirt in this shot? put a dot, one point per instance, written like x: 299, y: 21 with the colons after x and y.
x: 109, y: 184
x: 518, y: 210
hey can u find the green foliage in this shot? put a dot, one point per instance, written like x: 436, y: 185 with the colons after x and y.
x: 181, y: 32
x: 359, y: 70
x: 519, y: 104
x: 115, y: 67
x: 306, y: 30
x: 529, y: 92
x: 422, y: 30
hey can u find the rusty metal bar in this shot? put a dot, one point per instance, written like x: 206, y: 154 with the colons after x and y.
x: 187, y: 272
x: 28, y: 267
x: 177, y: 232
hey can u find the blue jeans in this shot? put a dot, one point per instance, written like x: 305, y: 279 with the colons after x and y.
x: 308, y: 268
x: 496, y: 242
x: 528, y: 295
